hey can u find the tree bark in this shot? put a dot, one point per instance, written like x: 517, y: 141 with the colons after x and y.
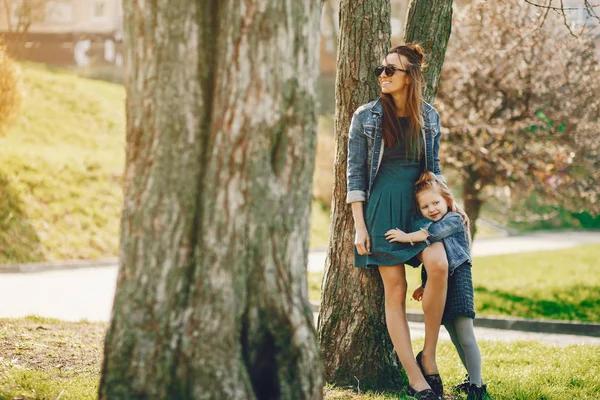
x: 211, y: 299
x: 352, y: 328
x: 354, y: 339
x: 429, y: 22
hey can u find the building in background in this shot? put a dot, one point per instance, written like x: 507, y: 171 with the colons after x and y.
x: 64, y: 32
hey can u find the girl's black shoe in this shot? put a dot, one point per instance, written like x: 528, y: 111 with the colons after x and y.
x: 477, y: 393
x: 464, y: 386
x: 434, y: 380
x: 426, y: 394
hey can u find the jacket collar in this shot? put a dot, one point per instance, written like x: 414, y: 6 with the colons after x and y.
x: 377, y: 108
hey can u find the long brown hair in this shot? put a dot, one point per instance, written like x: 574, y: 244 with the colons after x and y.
x: 392, y: 132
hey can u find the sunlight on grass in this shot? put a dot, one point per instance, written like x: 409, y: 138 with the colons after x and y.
x: 559, y: 284
x: 61, y: 168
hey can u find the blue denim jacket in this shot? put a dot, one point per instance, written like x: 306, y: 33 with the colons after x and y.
x: 451, y: 231
x: 365, y: 147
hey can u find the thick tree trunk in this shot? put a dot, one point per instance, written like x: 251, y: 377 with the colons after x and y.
x: 354, y: 339
x: 471, y: 192
x: 352, y: 328
x: 211, y: 299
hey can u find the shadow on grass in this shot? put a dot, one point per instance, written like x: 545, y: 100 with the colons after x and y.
x: 574, y: 303
x: 19, y: 241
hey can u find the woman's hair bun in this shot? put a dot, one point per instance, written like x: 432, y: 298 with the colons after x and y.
x: 416, y: 47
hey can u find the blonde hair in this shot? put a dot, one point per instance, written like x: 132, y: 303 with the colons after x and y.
x: 428, y: 181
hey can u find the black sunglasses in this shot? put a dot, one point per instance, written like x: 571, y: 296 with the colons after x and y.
x: 389, y: 70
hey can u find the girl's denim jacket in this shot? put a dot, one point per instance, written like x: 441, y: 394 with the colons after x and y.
x: 451, y: 231
x: 365, y: 147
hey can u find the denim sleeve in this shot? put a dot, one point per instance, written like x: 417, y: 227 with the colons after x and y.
x: 419, y: 222
x: 450, y: 225
x: 437, y: 133
x: 357, y: 162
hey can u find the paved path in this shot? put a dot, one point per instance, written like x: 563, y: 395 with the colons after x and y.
x: 87, y: 293
x: 417, y: 330
x: 502, y: 245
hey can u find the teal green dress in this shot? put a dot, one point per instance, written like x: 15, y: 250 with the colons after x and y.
x: 392, y: 205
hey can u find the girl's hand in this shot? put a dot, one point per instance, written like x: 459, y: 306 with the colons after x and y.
x: 395, y: 235
x: 362, y: 241
x: 418, y: 293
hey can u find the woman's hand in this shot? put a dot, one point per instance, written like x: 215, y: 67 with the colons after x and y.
x: 463, y: 214
x: 362, y: 241
x: 395, y: 235
x: 418, y: 293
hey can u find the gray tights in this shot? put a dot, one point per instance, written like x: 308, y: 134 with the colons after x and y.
x: 463, y: 336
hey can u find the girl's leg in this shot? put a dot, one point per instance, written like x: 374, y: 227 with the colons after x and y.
x: 394, y: 283
x: 456, y: 342
x: 466, y: 336
x: 434, y: 298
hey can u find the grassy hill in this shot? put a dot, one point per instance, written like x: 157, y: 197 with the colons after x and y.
x: 60, y: 169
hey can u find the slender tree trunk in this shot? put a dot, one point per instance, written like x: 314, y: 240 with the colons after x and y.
x: 471, y: 192
x: 429, y: 22
x: 211, y: 299
x: 354, y: 339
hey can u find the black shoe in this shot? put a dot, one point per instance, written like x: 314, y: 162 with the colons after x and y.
x: 434, y: 380
x: 477, y: 392
x: 463, y: 387
x: 426, y: 394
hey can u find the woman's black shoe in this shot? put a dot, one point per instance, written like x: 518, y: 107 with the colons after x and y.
x: 426, y: 394
x: 434, y: 380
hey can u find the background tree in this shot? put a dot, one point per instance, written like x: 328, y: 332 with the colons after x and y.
x: 520, y: 107
x: 354, y: 340
x: 211, y: 299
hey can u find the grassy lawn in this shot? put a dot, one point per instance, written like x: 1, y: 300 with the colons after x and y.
x: 61, y: 168
x: 48, y: 359
x: 559, y: 284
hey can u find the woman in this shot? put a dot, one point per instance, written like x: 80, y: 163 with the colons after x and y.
x: 392, y: 141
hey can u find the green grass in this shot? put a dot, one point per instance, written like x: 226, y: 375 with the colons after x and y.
x: 559, y: 284
x: 515, y: 371
x: 45, y: 358
x: 61, y: 168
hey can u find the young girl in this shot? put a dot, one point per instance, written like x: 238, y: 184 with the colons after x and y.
x: 435, y: 201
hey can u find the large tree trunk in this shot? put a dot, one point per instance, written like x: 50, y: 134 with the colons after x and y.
x: 211, y: 299
x: 354, y: 339
x: 352, y: 330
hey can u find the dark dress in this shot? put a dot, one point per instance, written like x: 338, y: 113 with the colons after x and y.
x: 392, y: 205
x: 459, y: 298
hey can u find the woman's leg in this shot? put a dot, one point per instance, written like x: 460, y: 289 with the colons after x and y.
x: 466, y: 336
x: 394, y: 283
x: 434, y: 298
x: 456, y: 342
